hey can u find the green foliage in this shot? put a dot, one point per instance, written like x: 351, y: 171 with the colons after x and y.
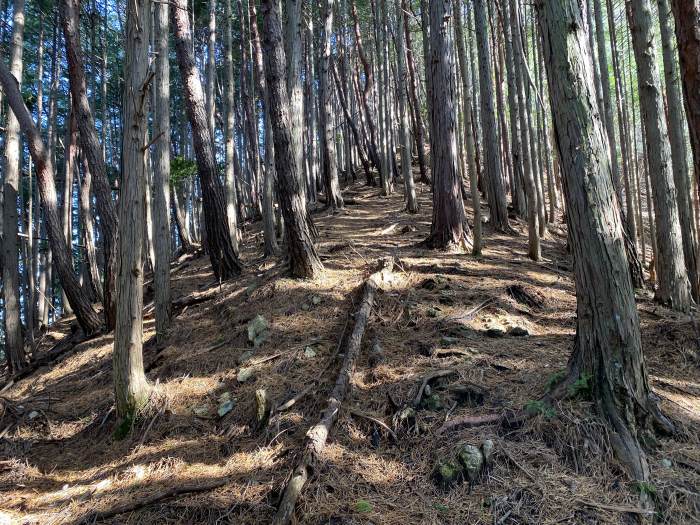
x: 555, y: 379
x: 644, y: 487
x: 537, y: 407
x: 581, y: 388
x: 441, y: 508
x: 363, y: 506
x: 181, y: 169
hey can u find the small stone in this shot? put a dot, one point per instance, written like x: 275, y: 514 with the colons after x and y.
x: 518, y: 331
x: 33, y: 415
x: 666, y: 463
x: 258, y: 330
x: 472, y: 460
x: 432, y: 312
x: 245, y: 357
x: 316, y: 299
x: 244, y: 374
x: 309, y: 352
x: 495, y: 333
x: 305, y: 307
x: 201, y: 410
x: 487, y: 448
x: 225, y: 407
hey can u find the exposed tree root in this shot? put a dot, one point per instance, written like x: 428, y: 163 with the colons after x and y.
x: 317, y: 435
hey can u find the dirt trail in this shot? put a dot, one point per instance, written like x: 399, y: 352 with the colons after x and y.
x: 61, y: 463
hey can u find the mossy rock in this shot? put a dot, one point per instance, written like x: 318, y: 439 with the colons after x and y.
x: 432, y: 402
x: 447, y: 474
x: 472, y: 460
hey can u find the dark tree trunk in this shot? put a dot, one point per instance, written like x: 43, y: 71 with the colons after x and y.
x: 224, y: 260
x: 93, y: 151
x: 303, y: 259
x: 608, y: 349
x: 449, y: 229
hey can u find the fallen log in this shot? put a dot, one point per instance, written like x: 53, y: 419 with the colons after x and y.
x: 317, y: 435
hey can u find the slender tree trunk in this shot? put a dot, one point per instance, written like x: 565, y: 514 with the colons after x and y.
x: 131, y: 388
x: 87, y: 317
x: 161, y: 172
x: 303, y: 259
x: 608, y: 345
x: 405, y: 132
x: 674, y: 286
x: 70, y: 160
x: 224, y: 260
x: 679, y: 153
x: 211, y: 70
x: 14, y: 343
x: 449, y: 228
x: 334, y: 199
x: 89, y: 231
x: 468, y: 126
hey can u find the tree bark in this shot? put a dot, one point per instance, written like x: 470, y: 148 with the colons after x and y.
x: 161, y: 172
x: 14, y: 343
x: 303, y: 259
x: 687, y: 15
x: 330, y: 163
x: 608, y: 345
x: 674, y: 286
x: 232, y: 161
x: 224, y: 261
x: 449, y: 228
x: 93, y: 151
x: 131, y: 388
x: 679, y: 153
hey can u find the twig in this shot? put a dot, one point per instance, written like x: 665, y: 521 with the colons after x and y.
x: 373, y: 419
x: 614, y: 508
x: 428, y: 379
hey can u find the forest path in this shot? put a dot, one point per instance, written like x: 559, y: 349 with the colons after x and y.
x: 63, y: 463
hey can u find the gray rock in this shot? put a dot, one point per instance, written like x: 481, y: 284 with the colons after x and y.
x: 667, y: 463
x: 258, y: 330
x: 446, y: 473
x: 244, y: 374
x: 472, y: 461
x: 487, y: 448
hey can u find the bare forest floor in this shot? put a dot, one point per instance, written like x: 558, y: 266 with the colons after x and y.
x: 60, y: 461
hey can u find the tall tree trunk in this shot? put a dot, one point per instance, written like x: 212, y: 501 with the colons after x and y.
x: 69, y: 166
x: 303, y: 259
x: 674, y: 286
x: 679, y: 153
x: 608, y: 347
x: 161, y: 173
x: 93, y: 151
x: 402, y: 85
x: 468, y: 127
x: 334, y: 199
x: 14, y: 343
x: 449, y: 228
x: 224, y: 260
x: 687, y: 15
x: 89, y: 231
x: 294, y: 86
x: 211, y: 70
x: 87, y: 317
x: 131, y: 388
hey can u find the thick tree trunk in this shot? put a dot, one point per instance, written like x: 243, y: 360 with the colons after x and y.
x: 224, y: 260
x: 449, y: 228
x: 87, y: 317
x: 131, y: 388
x: 303, y: 259
x: 679, y: 153
x: 14, y: 343
x: 334, y: 199
x: 93, y: 151
x: 674, y: 286
x: 161, y: 173
x: 608, y: 346
x: 687, y: 15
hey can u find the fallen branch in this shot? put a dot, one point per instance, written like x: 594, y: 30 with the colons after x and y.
x: 195, y: 298
x: 161, y: 495
x: 470, y: 422
x: 318, y: 434
x: 375, y: 420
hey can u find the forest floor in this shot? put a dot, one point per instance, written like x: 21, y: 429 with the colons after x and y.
x: 60, y: 461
